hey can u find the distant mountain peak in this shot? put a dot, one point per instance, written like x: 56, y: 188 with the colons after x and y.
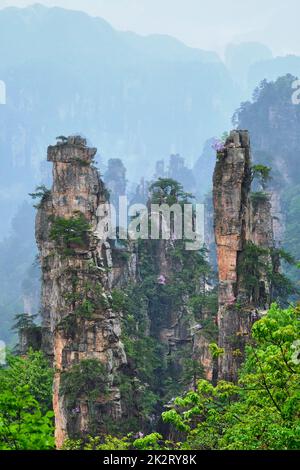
x: 153, y: 46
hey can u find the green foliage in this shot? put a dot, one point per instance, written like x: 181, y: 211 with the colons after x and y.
x: 32, y: 371
x: 70, y: 233
x: 24, y: 324
x: 191, y: 369
x: 253, y: 264
x: 283, y: 255
x: 86, y: 309
x: 268, y: 143
x: 256, y: 263
x: 262, y: 174
x: 200, y: 304
x: 119, y: 300
x: 291, y: 207
x: 157, y: 372
x: 138, y: 349
x: 260, y: 412
x: 139, y: 392
x: 86, y: 300
x: 106, y: 442
x: 282, y: 286
x: 42, y: 193
x: 25, y: 403
x: 150, y: 442
x: 210, y: 328
x: 88, y: 378
x: 215, y: 350
x: 24, y: 321
x: 168, y: 191
x: 23, y: 426
x: 68, y: 325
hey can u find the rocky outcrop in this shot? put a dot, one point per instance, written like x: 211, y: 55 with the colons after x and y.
x: 81, y: 331
x: 29, y: 338
x: 244, y: 234
x: 115, y: 180
x: 174, y: 320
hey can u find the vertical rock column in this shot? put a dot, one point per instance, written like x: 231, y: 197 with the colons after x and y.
x: 81, y: 332
x: 237, y: 223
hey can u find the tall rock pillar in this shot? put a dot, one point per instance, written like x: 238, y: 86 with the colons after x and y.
x: 81, y: 330
x: 242, y: 229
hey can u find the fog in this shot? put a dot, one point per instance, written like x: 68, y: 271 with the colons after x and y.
x: 198, y: 23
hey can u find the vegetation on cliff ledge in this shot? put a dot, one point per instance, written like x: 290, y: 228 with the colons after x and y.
x: 260, y: 412
x: 70, y: 233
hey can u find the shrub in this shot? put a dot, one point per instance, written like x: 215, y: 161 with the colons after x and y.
x: 88, y: 378
x: 42, y: 193
x: 262, y: 174
x: 71, y: 232
x: 23, y: 426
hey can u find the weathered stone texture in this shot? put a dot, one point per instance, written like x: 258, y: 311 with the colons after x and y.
x: 77, y: 188
x: 236, y: 223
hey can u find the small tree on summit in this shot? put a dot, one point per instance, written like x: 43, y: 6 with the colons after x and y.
x: 261, y: 173
x: 168, y: 191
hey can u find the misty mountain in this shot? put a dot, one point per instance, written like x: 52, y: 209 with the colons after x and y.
x: 136, y: 98
x: 272, y: 69
x: 240, y: 57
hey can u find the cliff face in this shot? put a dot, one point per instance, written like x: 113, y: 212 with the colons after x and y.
x: 243, y: 233
x: 180, y: 314
x: 153, y: 293
x: 183, y: 331
x: 170, y: 322
x: 81, y: 332
x: 273, y: 122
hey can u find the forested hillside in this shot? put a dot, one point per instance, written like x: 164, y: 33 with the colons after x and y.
x: 146, y: 347
x: 149, y: 255
x: 274, y: 123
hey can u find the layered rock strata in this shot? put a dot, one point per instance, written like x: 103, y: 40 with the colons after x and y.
x: 243, y: 227
x: 81, y: 330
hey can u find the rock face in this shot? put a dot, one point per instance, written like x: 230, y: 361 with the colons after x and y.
x: 29, y: 338
x: 80, y: 329
x: 174, y: 320
x: 115, y: 180
x: 243, y: 230
x: 88, y: 281
x: 175, y: 330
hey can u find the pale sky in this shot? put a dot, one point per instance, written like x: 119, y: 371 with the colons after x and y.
x: 206, y: 24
